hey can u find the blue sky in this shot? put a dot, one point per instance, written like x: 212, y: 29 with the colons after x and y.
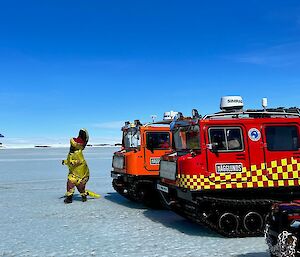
x: 95, y: 64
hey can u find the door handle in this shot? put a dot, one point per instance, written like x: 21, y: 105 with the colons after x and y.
x: 240, y: 156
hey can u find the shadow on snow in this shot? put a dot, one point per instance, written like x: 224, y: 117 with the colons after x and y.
x: 171, y: 220
x: 77, y: 197
x: 121, y: 200
x: 165, y: 217
x: 262, y: 254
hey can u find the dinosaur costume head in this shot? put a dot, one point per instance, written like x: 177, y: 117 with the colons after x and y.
x: 80, y: 142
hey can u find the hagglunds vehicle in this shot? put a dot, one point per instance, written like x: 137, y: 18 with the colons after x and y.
x: 135, y: 168
x: 231, y: 166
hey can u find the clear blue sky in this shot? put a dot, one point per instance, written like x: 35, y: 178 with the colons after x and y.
x: 71, y: 64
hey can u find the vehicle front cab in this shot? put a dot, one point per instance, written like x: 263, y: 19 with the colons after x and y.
x: 186, y: 146
x: 136, y: 165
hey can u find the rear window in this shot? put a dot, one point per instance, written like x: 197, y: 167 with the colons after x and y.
x: 282, y: 138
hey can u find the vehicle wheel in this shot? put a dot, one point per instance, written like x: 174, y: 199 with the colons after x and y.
x: 253, y: 222
x: 228, y: 222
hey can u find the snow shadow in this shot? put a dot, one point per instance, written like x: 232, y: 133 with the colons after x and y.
x: 77, y: 197
x: 262, y: 254
x: 165, y: 217
x: 3, y: 187
x: 121, y: 200
x: 171, y: 220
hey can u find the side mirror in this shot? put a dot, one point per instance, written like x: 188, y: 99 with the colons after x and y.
x: 213, y: 147
x: 195, y: 114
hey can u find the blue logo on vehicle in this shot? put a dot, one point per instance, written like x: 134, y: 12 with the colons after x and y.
x: 254, y: 134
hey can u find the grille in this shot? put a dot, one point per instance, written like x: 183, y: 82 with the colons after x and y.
x: 168, y: 170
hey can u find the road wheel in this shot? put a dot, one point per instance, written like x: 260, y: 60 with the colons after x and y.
x: 228, y: 222
x: 253, y: 222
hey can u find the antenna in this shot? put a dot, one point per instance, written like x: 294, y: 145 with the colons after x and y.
x: 153, y: 117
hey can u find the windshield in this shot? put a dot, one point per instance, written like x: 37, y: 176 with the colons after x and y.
x: 187, y: 138
x: 131, y: 138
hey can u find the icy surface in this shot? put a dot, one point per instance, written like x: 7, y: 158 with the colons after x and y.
x: 35, y: 221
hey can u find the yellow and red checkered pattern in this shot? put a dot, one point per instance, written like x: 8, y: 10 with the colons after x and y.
x: 277, y: 173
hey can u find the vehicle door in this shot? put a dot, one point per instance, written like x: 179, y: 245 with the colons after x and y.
x: 226, y: 153
x: 157, y: 144
x: 281, y: 148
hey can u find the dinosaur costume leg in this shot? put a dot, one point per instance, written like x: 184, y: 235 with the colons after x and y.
x: 81, y: 188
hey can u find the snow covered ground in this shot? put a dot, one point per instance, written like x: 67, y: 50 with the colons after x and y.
x: 35, y: 221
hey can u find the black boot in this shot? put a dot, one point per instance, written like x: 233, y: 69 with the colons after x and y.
x: 68, y: 199
x: 84, y: 198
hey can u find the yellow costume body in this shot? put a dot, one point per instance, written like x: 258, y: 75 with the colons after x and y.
x: 78, y: 170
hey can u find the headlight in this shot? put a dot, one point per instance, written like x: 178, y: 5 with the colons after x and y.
x: 167, y: 170
x: 118, y: 162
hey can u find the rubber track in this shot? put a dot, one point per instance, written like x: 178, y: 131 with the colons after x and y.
x: 120, y: 190
x: 193, y: 212
x: 132, y: 194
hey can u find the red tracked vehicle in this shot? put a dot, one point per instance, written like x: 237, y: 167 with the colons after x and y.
x: 136, y: 165
x: 231, y: 166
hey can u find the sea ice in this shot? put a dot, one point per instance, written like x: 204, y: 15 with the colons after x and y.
x: 35, y: 221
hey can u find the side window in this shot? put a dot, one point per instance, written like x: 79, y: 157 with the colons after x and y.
x: 234, y: 139
x: 193, y: 137
x: 158, y: 140
x: 217, y: 137
x: 226, y: 139
x: 131, y: 138
x: 282, y: 138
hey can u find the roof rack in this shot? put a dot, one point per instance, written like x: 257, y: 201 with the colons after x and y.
x: 163, y: 122
x: 273, y: 112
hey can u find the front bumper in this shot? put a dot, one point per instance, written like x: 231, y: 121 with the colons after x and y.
x: 115, y: 175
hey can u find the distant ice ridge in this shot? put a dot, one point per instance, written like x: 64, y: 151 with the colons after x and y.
x: 21, y: 146
x: 24, y: 146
